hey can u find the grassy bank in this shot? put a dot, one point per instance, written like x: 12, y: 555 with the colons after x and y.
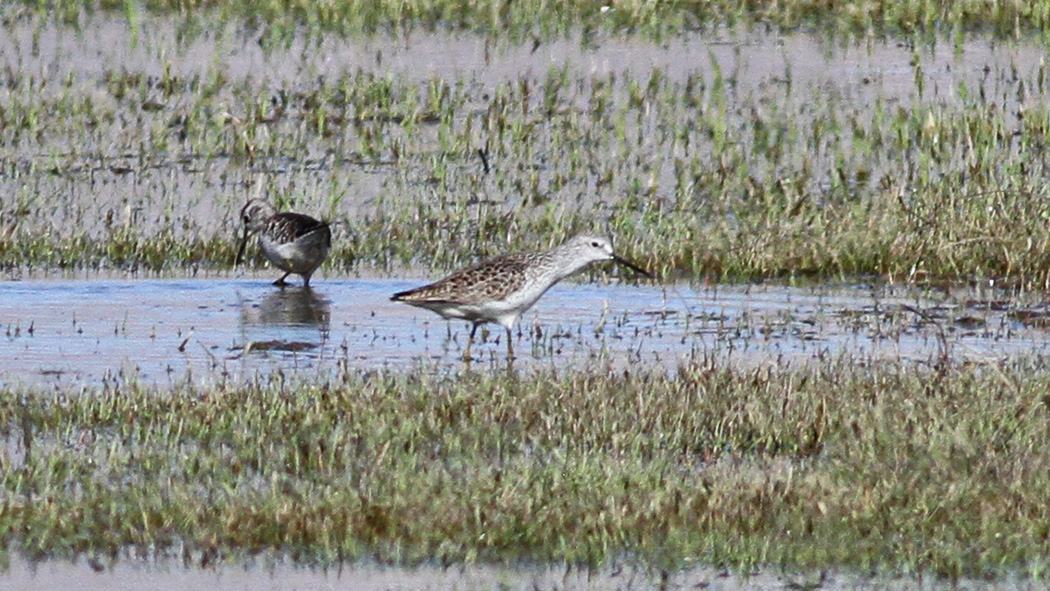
x: 879, y: 469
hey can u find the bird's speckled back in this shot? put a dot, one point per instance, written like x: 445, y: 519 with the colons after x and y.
x: 517, y: 276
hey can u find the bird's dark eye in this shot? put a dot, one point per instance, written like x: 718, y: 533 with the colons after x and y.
x: 595, y: 244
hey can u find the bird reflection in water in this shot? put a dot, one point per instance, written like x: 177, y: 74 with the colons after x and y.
x: 288, y: 319
x: 288, y: 307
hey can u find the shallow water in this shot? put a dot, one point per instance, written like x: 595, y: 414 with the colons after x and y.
x: 165, y: 576
x: 74, y: 333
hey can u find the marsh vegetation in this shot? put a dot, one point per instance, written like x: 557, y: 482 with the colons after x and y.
x: 876, y: 469
x: 725, y: 155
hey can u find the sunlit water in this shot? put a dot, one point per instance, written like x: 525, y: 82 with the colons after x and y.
x: 166, y: 332
x: 169, y: 576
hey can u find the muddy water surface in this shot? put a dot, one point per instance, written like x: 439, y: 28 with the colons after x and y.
x: 164, y: 332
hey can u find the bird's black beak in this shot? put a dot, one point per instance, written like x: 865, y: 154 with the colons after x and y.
x: 244, y: 244
x: 630, y: 265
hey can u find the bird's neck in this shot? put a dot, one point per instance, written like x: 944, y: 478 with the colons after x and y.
x: 566, y: 261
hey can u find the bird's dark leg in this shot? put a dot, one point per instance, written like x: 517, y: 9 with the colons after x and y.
x: 240, y: 251
x: 510, y: 345
x: 470, y: 341
x: 281, y: 282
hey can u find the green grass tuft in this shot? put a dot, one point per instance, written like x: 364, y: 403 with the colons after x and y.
x: 881, y: 469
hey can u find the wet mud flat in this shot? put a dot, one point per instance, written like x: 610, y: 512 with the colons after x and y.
x: 75, y: 333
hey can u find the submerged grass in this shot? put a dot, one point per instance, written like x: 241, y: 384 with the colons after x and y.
x: 883, y: 469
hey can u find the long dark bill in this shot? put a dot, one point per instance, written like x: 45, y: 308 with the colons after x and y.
x: 630, y: 265
x: 240, y: 251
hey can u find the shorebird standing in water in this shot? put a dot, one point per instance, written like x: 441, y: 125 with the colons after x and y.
x: 501, y: 289
x: 292, y: 242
